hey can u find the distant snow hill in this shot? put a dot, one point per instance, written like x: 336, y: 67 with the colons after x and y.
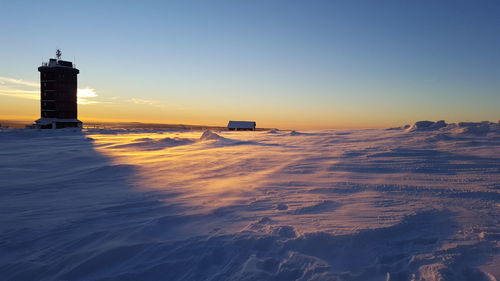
x: 473, y: 128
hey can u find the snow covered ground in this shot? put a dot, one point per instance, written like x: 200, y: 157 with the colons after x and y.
x: 417, y: 203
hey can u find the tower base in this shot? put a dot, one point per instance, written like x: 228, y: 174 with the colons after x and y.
x: 57, y: 123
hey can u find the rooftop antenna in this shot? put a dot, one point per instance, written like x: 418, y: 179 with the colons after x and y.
x: 58, y: 54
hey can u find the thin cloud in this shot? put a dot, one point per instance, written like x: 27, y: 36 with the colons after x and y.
x: 14, y: 88
x: 20, y: 95
x: 143, y: 101
x: 19, y: 91
x: 8, y: 80
x: 147, y: 102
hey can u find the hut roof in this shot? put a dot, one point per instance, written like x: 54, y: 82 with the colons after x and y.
x: 241, y: 124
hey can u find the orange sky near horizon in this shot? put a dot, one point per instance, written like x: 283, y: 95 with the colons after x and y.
x: 20, y: 101
x: 125, y: 111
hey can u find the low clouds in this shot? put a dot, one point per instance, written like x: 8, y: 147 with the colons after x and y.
x: 18, y: 88
x: 13, y: 81
x: 144, y: 101
x: 22, y: 94
x: 22, y: 89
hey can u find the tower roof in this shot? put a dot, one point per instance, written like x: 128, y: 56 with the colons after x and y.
x: 57, y: 62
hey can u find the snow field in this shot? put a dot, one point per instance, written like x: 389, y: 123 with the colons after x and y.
x: 416, y: 203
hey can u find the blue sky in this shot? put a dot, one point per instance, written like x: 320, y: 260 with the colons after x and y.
x: 296, y: 64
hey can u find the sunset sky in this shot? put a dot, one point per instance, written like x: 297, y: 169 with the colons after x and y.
x: 286, y: 64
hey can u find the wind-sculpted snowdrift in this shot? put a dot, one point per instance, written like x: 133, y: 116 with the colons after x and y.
x: 152, y: 144
x: 401, y: 204
x: 466, y: 128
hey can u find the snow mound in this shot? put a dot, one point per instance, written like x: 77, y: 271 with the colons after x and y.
x: 295, y: 133
x: 323, y: 206
x: 273, y: 131
x: 478, y: 128
x: 312, y: 133
x: 218, y: 141
x: 405, y: 127
x: 462, y: 128
x: 427, y: 126
x: 144, y: 139
x: 209, y: 135
x: 175, y: 141
x: 152, y: 144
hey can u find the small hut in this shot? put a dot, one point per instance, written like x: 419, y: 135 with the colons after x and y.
x: 241, y: 125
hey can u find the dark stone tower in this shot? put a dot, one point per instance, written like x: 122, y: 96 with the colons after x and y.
x: 58, y: 84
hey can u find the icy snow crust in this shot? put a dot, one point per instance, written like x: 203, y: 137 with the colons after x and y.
x: 400, y: 204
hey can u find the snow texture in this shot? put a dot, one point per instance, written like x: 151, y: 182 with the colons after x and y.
x: 411, y: 203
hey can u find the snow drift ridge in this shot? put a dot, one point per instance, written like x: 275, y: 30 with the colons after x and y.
x: 469, y: 128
